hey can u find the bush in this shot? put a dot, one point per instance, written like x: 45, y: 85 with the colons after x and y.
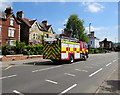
x: 8, y: 50
x: 96, y: 50
x: 33, y: 50
x: 21, y: 48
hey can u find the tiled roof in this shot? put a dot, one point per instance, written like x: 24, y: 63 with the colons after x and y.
x: 29, y: 22
x: 32, y: 22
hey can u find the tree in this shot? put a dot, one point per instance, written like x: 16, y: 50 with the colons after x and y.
x: 75, y: 28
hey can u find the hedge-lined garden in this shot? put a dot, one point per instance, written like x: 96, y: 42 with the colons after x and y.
x: 21, y: 48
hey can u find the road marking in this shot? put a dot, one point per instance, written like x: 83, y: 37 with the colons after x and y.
x: 8, y: 67
x: 8, y: 76
x: 81, y: 70
x: 88, y: 67
x: 17, y: 92
x: 68, y: 89
x: 46, y: 69
x: 114, y: 60
x: 70, y: 74
x: 95, y: 72
x: 108, y: 64
x: 51, y: 81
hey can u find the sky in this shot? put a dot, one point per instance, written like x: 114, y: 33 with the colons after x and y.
x: 103, y: 16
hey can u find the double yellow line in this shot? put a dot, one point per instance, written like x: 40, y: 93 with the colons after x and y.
x: 8, y: 67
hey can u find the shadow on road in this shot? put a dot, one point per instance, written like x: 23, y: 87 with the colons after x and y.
x: 112, y: 86
x: 46, y: 63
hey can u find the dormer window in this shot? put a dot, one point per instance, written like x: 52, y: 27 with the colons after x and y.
x: 11, y: 21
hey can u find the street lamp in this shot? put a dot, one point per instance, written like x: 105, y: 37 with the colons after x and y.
x: 89, y: 27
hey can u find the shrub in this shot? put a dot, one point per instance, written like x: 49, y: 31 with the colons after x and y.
x: 7, y: 49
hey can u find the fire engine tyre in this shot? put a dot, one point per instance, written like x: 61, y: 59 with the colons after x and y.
x: 71, y: 58
x: 84, y: 57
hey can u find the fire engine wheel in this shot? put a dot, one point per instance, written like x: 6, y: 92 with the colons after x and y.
x: 71, y: 58
x: 84, y: 57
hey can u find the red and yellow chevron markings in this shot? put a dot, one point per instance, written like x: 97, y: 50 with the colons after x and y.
x: 51, y: 51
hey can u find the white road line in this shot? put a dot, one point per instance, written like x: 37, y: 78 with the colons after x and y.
x: 51, y: 81
x: 95, y: 72
x: 114, y: 60
x: 8, y: 76
x: 17, y: 92
x: 70, y: 74
x: 108, y: 64
x: 81, y: 70
x: 68, y: 89
x: 88, y: 67
x: 46, y: 69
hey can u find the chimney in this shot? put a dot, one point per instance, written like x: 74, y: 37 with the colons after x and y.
x: 20, y: 14
x: 8, y: 10
x: 105, y: 39
x: 92, y: 34
x: 45, y: 22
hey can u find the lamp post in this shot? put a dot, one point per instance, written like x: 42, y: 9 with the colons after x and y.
x: 89, y: 27
x: 89, y: 46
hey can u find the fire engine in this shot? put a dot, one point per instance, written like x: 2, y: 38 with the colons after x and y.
x: 64, y: 48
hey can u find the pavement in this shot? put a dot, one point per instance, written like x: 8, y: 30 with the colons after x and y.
x: 110, y: 85
x: 24, y: 61
x: 96, y: 75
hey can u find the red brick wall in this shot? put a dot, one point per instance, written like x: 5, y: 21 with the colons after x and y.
x: 5, y: 27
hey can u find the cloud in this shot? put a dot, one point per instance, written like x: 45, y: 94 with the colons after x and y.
x: 93, y: 7
x: 60, y: 29
x: 4, y: 4
x: 95, y: 28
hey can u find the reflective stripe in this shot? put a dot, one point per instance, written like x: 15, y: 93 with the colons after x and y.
x: 70, y: 42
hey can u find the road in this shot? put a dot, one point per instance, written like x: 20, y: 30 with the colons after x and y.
x: 59, y: 79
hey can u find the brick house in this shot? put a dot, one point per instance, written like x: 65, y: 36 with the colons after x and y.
x: 106, y: 44
x: 9, y: 27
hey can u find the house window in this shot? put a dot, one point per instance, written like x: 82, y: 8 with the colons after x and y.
x: 35, y: 36
x: 10, y: 42
x: 11, y: 21
x: 91, y: 42
x: 35, y: 27
x: 11, y: 32
x: 47, y: 35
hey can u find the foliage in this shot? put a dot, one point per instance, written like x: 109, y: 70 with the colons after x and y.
x: 7, y: 49
x: 21, y: 48
x: 117, y: 48
x: 96, y: 50
x: 75, y: 28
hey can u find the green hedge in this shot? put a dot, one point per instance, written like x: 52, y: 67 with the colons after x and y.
x: 21, y: 48
x: 96, y: 50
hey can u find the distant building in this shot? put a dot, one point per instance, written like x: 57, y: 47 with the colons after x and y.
x: 93, y: 41
x: 9, y: 27
x: 106, y: 44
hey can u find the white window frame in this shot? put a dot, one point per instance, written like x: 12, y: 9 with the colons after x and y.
x: 12, y: 21
x: 11, y: 32
x: 35, y: 36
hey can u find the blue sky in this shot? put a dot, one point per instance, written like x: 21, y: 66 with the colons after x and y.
x: 103, y: 16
